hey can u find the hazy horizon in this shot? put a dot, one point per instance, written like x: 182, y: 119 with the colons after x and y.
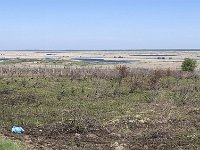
x: 99, y: 24
x: 102, y: 50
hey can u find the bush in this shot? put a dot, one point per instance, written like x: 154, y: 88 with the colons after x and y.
x: 123, y: 70
x: 189, y: 64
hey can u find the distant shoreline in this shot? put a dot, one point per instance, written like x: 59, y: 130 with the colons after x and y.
x: 147, y: 58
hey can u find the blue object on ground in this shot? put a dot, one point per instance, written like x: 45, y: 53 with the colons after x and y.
x: 17, y: 130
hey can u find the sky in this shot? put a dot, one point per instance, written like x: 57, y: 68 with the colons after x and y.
x: 99, y: 24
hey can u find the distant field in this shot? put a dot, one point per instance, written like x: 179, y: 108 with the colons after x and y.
x: 153, y: 59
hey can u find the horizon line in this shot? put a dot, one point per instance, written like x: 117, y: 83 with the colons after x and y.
x: 157, y: 49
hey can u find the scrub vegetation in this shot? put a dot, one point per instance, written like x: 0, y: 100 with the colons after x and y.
x: 189, y: 64
x: 101, y: 108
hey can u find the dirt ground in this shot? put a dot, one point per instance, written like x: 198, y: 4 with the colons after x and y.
x: 166, y: 132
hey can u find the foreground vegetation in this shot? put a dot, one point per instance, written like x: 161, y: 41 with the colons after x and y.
x: 102, y: 108
x: 8, y: 145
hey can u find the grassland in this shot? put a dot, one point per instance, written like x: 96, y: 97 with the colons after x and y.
x: 9, y: 145
x: 115, y: 108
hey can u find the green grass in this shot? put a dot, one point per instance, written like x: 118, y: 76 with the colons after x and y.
x: 52, y: 96
x: 36, y: 100
x: 43, y: 102
x: 9, y: 145
x: 17, y: 61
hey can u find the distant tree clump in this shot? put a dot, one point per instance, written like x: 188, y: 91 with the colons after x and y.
x: 189, y: 64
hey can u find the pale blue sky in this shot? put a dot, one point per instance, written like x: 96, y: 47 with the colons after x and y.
x: 99, y: 24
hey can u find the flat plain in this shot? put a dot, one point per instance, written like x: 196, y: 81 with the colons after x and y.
x: 134, y: 59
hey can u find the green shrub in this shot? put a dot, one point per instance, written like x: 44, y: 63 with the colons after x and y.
x: 189, y: 64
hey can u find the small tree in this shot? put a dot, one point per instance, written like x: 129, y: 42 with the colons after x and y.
x: 123, y: 70
x: 189, y: 64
